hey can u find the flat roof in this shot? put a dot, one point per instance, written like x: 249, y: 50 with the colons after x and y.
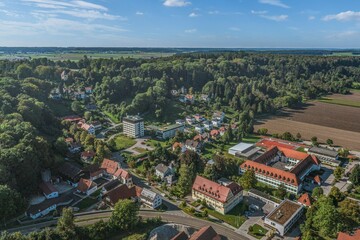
x: 133, y: 118
x: 170, y: 127
x: 284, y: 212
x: 323, y: 151
x: 241, y: 147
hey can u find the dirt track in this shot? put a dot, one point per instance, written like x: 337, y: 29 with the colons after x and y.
x: 339, y: 123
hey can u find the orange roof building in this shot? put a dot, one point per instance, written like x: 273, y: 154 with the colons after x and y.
x: 349, y: 236
x: 205, y: 233
x: 86, y: 186
x: 124, y: 176
x: 220, y: 197
x: 282, y: 166
x: 110, y: 166
x: 305, y: 200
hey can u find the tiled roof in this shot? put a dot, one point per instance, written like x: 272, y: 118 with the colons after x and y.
x: 85, y: 184
x: 177, y: 145
x: 122, y: 173
x: 120, y: 193
x: 162, y: 168
x: 70, y: 170
x: 215, y: 190
x: 214, y: 132
x: 110, y: 166
x: 268, y: 143
x: 305, y: 199
x: 275, y: 173
x: 346, y: 236
x: 205, y: 233
x: 112, y: 184
x: 47, y: 188
x: 180, y: 236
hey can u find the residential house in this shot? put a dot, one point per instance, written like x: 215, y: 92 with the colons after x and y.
x: 199, y: 118
x: 202, y: 137
x: 216, y: 123
x: 47, y: 206
x: 219, y: 197
x: 110, y: 185
x: 88, y: 90
x: 86, y: 186
x: 74, y: 147
x: 205, y: 97
x: 192, y: 145
x: 93, y: 172
x: 206, y: 233
x: 305, y: 199
x: 282, y: 166
x: 180, y: 122
x: 218, y: 115
x: 71, y: 173
x: 49, y: 190
x: 79, y: 95
x: 150, y: 198
x: 190, y: 120
x: 326, y: 156
x: 355, y: 235
x: 161, y: 171
x: 222, y: 131
x: 214, y: 134
x: 208, y: 125
x: 55, y: 94
x: 110, y: 167
x: 199, y: 129
x: 121, y: 192
x: 177, y: 145
x: 189, y: 98
x: 169, y: 131
x: 87, y: 156
x: 64, y: 76
x: 124, y: 176
x: 282, y: 218
x: 87, y: 127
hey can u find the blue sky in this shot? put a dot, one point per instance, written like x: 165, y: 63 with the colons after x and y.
x: 181, y: 23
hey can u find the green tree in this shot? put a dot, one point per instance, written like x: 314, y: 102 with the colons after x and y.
x: 336, y: 195
x: 338, y: 172
x: 355, y: 175
x: 248, y: 179
x: 23, y: 71
x: 66, y: 226
x: 317, y: 192
x: 125, y: 215
x: 76, y: 106
x: 186, y: 178
x: 314, y: 141
x: 11, y: 203
x: 298, y: 136
x: 280, y: 192
x: 329, y: 142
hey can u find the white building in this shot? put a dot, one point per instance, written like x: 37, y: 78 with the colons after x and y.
x: 326, y: 156
x: 150, y: 198
x: 169, y: 131
x: 86, y: 186
x: 245, y: 150
x: 49, y: 190
x: 133, y: 126
x: 284, y: 216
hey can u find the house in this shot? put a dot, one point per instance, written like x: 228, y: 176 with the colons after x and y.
x: 219, y: 197
x: 74, y: 147
x: 190, y: 120
x: 244, y: 150
x: 121, y: 192
x: 326, y: 156
x: 87, y: 156
x: 199, y: 129
x: 88, y: 90
x: 180, y: 236
x: 189, y: 98
x: 222, y: 131
x: 86, y: 127
x: 216, y: 123
x: 96, y: 125
x: 86, y: 186
x: 205, y: 97
x: 192, y: 145
x: 124, y: 176
x: 208, y: 125
x: 355, y: 235
x: 199, y: 118
x: 214, y: 133
x: 64, y: 76
x: 150, y: 198
x: 305, y: 199
x: 110, y: 185
x: 180, y: 122
x: 177, y: 145
x: 79, y: 95
x: 49, y: 190
x: 282, y: 218
x: 93, y: 172
x: 202, y: 137
x: 47, y: 206
x: 133, y: 126
x: 169, y: 131
x: 55, y: 94
x: 219, y: 116
x: 72, y: 118
x: 205, y: 233
x: 282, y: 166
x: 110, y: 167
x: 71, y: 173
x: 161, y: 171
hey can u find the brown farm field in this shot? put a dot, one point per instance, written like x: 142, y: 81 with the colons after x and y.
x: 323, y: 120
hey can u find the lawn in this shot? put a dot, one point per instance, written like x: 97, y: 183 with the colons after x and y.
x: 140, y: 150
x: 153, y: 143
x: 123, y: 142
x: 343, y: 102
x: 235, y: 217
x: 112, y: 117
x: 251, y: 138
x: 257, y: 231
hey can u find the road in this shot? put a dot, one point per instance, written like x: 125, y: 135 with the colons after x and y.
x: 91, y: 218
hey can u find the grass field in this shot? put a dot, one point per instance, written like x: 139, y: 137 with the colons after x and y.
x: 257, y: 231
x: 111, y: 116
x: 235, y: 217
x: 123, y: 142
x: 78, y: 56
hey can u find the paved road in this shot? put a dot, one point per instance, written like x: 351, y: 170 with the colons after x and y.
x: 165, y: 216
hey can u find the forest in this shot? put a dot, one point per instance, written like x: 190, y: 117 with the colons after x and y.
x: 250, y: 84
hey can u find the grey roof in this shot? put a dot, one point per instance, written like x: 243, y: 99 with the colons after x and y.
x: 323, y: 151
x: 148, y: 194
x: 162, y: 168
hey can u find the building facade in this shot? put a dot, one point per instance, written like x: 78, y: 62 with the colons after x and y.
x: 133, y: 126
x: 326, y: 156
x: 169, y: 131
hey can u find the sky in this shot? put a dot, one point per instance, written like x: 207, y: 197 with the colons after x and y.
x: 181, y: 23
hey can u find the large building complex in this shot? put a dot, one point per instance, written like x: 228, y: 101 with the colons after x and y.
x: 221, y: 198
x: 279, y: 166
x: 169, y: 131
x: 284, y: 216
x: 327, y: 156
x: 133, y: 126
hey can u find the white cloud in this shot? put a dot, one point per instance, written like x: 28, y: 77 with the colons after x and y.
x: 311, y: 18
x: 193, y: 14
x: 344, y: 16
x: 277, y: 18
x: 213, y: 12
x: 89, y: 14
x: 193, y: 30
x: 235, y: 29
x: 276, y: 3
x: 259, y: 12
x: 9, y: 13
x: 88, y: 5
x: 176, y: 3
x: 139, y: 13
x: 63, y: 4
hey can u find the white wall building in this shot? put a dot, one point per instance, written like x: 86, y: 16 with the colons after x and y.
x: 133, y: 126
x: 150, y: 198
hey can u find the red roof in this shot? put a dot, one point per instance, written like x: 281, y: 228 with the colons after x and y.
x: 122, y: 192
x: 176, y: 145
x: 305, y: 199
x: 47, y: 188
x: 110, y: 166
x: 84, y: 126
x: 180, y: 236
x: 74, y: 118
x: 317, y: 179
x: 347, y: 236
x: 85, y: 184
x: 262, y: 169
x: 122, y: 173
x: 271, y: 143
x: 214, y: 132
x: 215, y: 190
x: 293, y: 153
x: 205, y: 233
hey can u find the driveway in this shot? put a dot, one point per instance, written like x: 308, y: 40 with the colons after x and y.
x: 140, y: 144
x: 328, y: 178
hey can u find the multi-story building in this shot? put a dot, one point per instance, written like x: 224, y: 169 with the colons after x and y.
x: 327, y: 156
x: 279, y: 166
x: 169, y: 131
x: 133, y: 126
x: 284, y: 216
x: 150, y: 198
x: 222, y: 198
